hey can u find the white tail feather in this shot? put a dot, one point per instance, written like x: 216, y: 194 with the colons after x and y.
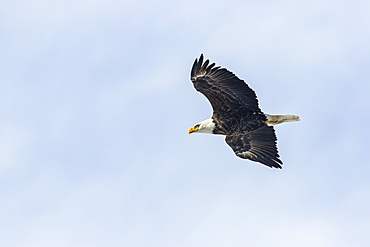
x: 278, y: 119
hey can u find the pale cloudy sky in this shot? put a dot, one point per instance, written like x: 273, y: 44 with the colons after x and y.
x: 96, y: 102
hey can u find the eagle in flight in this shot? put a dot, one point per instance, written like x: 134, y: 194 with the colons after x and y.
x: 236, y: 114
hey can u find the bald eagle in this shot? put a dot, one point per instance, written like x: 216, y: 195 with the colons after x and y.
x: 236, y: 114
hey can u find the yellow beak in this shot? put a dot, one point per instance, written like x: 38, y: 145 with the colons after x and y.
x: 191, y: 130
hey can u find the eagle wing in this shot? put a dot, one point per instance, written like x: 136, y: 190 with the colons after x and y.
x: 258, y: 145
x: 223, y: 89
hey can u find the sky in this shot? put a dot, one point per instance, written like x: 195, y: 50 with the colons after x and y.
x: 96, y: 102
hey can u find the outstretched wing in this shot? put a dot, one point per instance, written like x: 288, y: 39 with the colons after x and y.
x: 223, y: 89
x: 258, y: 145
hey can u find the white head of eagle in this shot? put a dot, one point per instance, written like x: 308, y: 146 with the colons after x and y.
x: 206, y: 126
x: 236, y: 114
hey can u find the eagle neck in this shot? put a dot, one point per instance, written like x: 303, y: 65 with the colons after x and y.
x: 218, y: 130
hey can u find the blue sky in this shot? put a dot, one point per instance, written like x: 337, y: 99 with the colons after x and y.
x: 96, y: 102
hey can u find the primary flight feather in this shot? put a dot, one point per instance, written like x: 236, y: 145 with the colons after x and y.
x: 236, y: 114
